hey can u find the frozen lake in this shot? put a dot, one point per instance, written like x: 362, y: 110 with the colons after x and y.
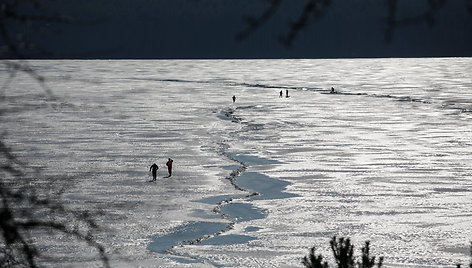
x: 256, y: 182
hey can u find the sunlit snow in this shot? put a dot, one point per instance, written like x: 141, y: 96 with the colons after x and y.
x: 257, y: 182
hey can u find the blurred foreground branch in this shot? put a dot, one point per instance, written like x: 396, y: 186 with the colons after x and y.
x: 316, y: 9
x: 17, y: 14
x: 30, y: 212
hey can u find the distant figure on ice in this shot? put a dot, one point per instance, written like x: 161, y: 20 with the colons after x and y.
x: 154, y: 169
x: 169, y: 166
x: 281, y: 93
x: 234, y: 98
x: 286, y: 93
x: 333, y: 91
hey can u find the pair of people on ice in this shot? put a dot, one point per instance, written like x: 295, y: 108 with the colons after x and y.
x: 154, y: 169
x: 286, y: 94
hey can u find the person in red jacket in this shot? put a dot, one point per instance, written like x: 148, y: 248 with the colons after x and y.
x: 169, y: 166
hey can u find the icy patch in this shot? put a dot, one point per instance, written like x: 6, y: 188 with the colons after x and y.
x: 228, y: 240
x: 252, y: 229
x: 242, y: 212
x: 186, y: 234
x: 267, y: 187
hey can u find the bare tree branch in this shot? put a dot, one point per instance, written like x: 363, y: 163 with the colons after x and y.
x: 23, y: 205
x: 317, y: 9
x: 427, y: 16
x: 253, y: 23
x: 314, y: 8
x: 16, y: 45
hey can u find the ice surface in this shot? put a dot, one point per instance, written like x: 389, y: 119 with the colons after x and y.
x: 256, y: 183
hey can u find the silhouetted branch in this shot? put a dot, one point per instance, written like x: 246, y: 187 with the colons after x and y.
x: 367, y: 260
x: 317, y: 8
x: 314, y: 261
x: 255, y: 23
x: 15, y: 44
x: 25, y: 211
x: 427, y: 16
x: 343, y: 253
x: 312, y: 8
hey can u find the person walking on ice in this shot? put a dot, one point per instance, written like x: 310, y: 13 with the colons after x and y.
x: 154, y: 169
x: 169, y: 166
x: 234, y: 98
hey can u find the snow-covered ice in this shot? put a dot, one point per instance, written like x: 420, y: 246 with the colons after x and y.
x: 257, y: 182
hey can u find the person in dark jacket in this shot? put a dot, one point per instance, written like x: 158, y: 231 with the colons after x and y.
x: 154, y: 169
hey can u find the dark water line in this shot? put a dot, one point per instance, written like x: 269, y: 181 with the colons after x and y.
x: 234, y: 174
x: 217, y: 210
x: 313, y: 89
x: 220, y: 82
x: 222, y: 150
